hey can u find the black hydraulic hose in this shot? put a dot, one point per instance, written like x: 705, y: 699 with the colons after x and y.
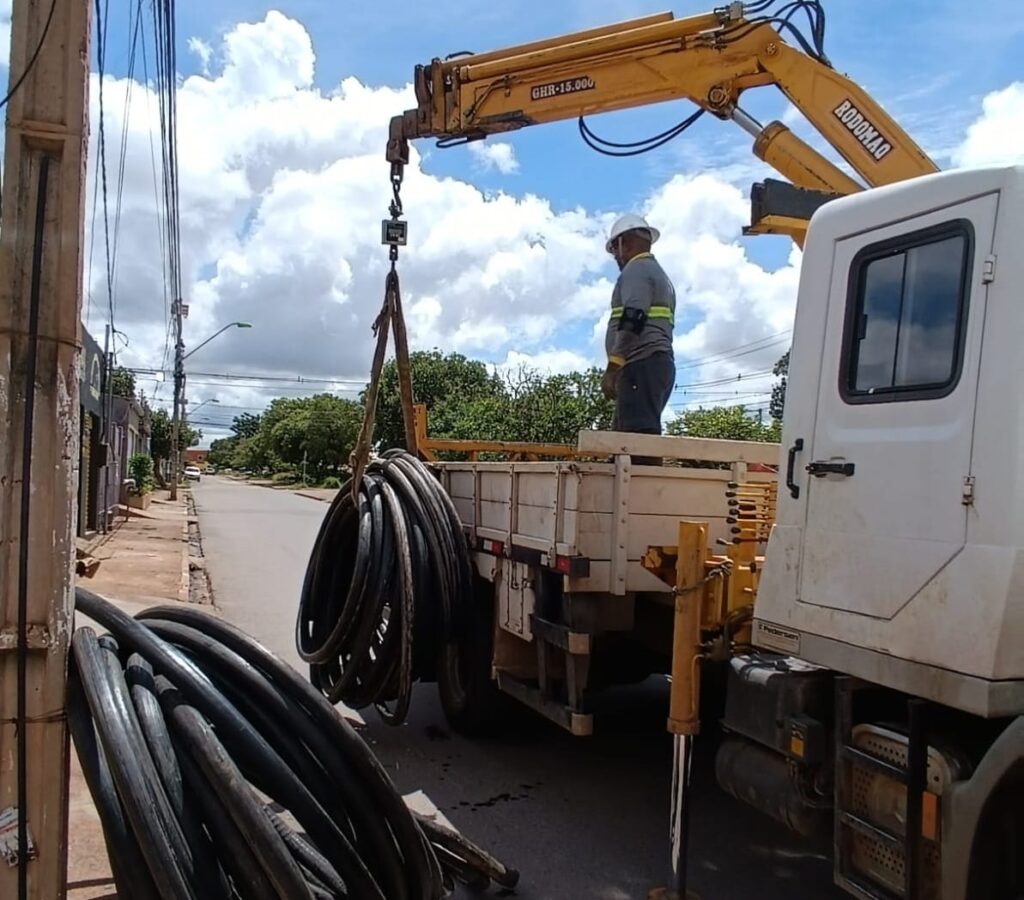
x: 385, y: 589
x: 196, y: 742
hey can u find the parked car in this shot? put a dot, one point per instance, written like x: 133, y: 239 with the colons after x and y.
x: 192, y: 473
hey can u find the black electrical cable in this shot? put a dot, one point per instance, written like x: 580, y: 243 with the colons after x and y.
x: 385, y: 588
x: 32, y: 351
x: 196, y: 741
x: 32, y: 59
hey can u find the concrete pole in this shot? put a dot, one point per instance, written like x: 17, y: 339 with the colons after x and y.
x: 40, y: 305
x: 179, y: 398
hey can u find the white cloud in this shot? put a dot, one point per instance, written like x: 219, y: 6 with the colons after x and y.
x: 203, y: 51
x: 791, y: 115
x: 499, y: 156
x: 551, y: 361
x: 282, y: 190
x: 997, y: 136
x: 5, y: 32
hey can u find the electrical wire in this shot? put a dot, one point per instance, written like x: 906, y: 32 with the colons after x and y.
x: 101, y: 56
x: 32, y: 59
x: 24, y: 541
x: 134, y: 23
x: 219, y: 773
x: 743, y: 376
x: 742, y: 350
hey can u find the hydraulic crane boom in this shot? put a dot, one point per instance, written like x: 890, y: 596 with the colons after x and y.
x: 709, y: 59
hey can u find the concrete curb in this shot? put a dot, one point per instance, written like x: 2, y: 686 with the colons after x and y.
x: 185, y: 587
x: 313, y: 496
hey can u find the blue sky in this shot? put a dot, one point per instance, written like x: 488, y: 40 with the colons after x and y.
x: 929, y: 63
x: 284, y: 183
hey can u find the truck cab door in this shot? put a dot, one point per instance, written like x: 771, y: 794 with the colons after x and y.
x: 883, y: 472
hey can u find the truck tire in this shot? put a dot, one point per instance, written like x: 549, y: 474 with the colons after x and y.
x: 472, y: 703
x: 997, y: 863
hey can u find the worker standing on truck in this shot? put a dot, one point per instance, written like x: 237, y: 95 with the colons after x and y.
x: 641, y: 368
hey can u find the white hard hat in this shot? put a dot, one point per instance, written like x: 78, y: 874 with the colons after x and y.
x: 630, y: 222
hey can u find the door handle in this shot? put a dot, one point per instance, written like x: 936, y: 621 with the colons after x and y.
x: 794, y: 488
x: 820, y: 468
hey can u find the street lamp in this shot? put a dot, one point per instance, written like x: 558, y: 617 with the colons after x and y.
x: 179, y: 386
x: 212, y: 336
x: 201, y: 405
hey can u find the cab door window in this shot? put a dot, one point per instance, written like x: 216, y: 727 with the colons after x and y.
x: 906, y: 314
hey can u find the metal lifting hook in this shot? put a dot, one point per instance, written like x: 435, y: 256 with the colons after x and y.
x: 395, y: 231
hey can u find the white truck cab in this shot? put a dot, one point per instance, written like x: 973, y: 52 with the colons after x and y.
x: 897, y: 554
x: 896, y: 563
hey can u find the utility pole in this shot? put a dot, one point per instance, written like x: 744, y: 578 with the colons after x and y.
x: 40, y: 305
x: 179, y: 396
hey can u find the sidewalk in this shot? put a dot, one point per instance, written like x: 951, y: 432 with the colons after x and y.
x: 144, y: 562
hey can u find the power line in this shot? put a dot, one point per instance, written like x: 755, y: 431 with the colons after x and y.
x: 33, y: 58
x: 742, y: 350
x: 129, y: 83
x: 101, y: 56
x: 266, y: 387
x: 748, y: 376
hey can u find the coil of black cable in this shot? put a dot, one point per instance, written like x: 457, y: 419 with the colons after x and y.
x: 386, y: 587
x: 219, y: 773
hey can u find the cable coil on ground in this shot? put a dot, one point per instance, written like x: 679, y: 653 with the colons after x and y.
x: 219, y: 773
x: 386, y: 588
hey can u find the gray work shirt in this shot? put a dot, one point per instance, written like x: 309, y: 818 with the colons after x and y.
x: 643, y: 286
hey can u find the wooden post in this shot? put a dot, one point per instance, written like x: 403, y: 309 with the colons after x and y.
x: 40, y: 303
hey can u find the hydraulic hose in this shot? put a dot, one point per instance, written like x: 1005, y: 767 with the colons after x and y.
x: 385, y: 589
x: 219, y: 773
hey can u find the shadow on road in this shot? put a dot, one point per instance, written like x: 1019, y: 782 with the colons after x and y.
x: 588, y: 817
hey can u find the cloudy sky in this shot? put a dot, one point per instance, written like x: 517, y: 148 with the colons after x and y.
x: 283, y: 113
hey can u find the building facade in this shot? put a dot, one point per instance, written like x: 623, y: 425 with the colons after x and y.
x: 129, y: 428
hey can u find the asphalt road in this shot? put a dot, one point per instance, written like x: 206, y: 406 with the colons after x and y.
x: 579, y: 817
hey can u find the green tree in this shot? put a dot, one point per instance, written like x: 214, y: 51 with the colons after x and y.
x: 722, y: 422
x: 555, y: 408
x: 246, y: 425
x: 161, y: 430
x: 222, y: 450
x: 778, y: 402
x: 444, y: 382
x: 122, y: 383
x: 250, y: 454
x: 319, y: 431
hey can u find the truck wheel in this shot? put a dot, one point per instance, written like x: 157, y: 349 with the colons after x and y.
x: 997, y: 863
x: 472, y: 703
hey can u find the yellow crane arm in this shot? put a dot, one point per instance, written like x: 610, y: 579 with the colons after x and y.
x: 709, y: 59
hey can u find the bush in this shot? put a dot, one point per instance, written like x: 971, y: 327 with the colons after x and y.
x: 285, y: 477
x: 331, y: 482
x: 140, y: 470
